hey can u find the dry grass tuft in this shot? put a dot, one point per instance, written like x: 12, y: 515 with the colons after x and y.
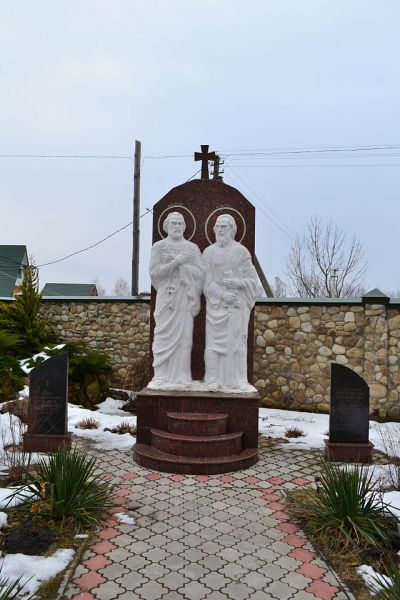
x: 89, y: 423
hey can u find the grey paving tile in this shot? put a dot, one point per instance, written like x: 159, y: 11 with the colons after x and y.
x: 151, y: 591
x: 108, y: 590
x: 281, y: 590
x: 194, y: 591
x: 238, y: 591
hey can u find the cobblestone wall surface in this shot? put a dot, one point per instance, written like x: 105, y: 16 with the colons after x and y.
x: 294, y: 344
x: 117, y: 327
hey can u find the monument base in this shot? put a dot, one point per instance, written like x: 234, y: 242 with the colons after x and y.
x: 347, y: 452
x: 196, y: 433
x: 44, y: 442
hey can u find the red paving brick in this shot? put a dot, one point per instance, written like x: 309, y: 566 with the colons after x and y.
x: 301, y: 481
x: 227, y: 479
x: 202, y: 478
x: 102, y: 547
x: 280, y: 515
x: 302, y: 555
x: 272, y: 496
x: 116, y: 509
x: 294, y: 540
x: 251, y: 479
x: 108, y: 533
x: 313, y: 571
x: 97, y: 562
x: 276, y: 480
x: 287, y: 527
x: 322, y: 590
x: 177, y: 477
x: 129, y: 476
x: 83, y: 596
x: 153, y: 476
x: 275, y: 505
x: 90, y: 580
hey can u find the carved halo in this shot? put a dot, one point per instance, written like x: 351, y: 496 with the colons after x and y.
x: 172, y: 208
x: 225, y: 209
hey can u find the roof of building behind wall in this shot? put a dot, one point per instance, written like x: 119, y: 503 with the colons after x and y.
x: 69, y: 289
x: 11, y: 259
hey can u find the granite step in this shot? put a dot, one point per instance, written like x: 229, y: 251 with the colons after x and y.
x: 151, y: 458
x: 197, y: 445
x: 197, y: 423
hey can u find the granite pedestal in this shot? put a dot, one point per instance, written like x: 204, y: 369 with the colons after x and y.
x: 348, y: 452
x: 196, y: 432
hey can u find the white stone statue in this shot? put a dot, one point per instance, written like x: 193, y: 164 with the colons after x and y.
x: 230, y: 289
x: 177, y: 275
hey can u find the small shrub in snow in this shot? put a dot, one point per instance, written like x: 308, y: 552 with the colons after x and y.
x: 88, y: 423
x: 123, y: 427
x: 294, y: 432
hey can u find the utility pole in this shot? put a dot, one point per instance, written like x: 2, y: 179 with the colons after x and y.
x: 216, y: 173
x: 136, y: 217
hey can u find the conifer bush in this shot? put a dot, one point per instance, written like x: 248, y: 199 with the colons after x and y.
x: 20, y: 318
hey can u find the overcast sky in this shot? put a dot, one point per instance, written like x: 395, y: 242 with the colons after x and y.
x: 89, y: 77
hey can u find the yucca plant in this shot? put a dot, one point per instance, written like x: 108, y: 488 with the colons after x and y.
x: 346, y: 509
x: 10, y: 590
x: 389, y: 589
x: 65, y: 486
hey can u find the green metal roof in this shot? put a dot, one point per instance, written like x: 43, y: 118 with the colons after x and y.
x: 11, y: 259
x: 69, y: 289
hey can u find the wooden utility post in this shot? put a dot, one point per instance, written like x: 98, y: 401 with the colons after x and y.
x: 136, y: 217
x: 217, y: 172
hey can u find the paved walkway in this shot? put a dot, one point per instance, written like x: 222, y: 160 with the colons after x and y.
x: 220, y: 537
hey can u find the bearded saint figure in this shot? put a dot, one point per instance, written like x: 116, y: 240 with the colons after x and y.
x: 177, y: 275
x: 230, y: 289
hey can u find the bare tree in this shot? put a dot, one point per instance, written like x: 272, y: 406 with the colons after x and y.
x: 280, y: 288
x: 121, y: 288
x: 322, y: 264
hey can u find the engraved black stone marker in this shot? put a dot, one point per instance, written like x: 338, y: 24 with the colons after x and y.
x: 349, y: 406
x: 48, y: 391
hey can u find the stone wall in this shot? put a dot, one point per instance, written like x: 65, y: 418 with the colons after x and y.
x: 295, y: 342
x: 116, y: 326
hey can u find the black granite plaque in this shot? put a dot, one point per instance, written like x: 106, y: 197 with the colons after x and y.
x: 349, y: 406
x: 48, y: 394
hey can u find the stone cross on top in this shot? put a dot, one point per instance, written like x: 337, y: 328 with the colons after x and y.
x: 204, y: 156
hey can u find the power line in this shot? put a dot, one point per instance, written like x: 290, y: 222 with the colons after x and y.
x: 286, y: 229
x: 309, y: 150
x: 52, y: 262
x: 268, y: 166
x: 100, y: 156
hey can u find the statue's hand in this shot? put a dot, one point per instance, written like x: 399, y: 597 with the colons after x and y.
x: 183, y: 257
x: 167, y: 256
x: 231, y: 283
x: 229, y: 297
